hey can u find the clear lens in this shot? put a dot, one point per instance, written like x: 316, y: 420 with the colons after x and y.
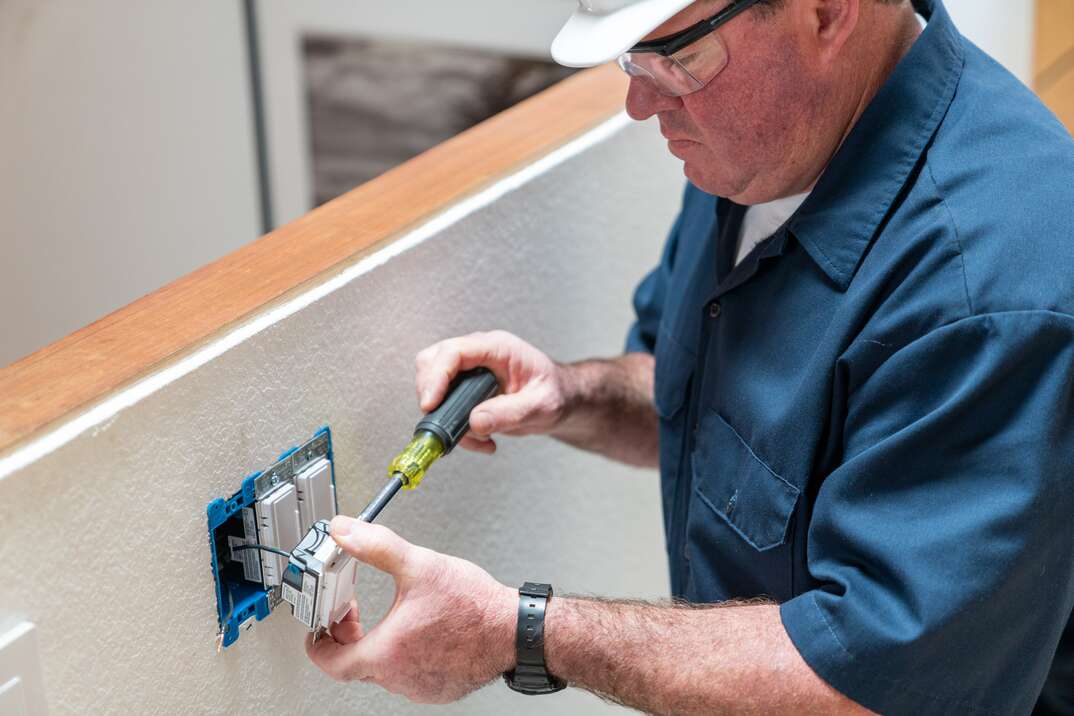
x: 686, y: 71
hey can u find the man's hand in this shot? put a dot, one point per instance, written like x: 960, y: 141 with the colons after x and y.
x: 450, y: 630
x: 604, y: 406
x: 533, y: 394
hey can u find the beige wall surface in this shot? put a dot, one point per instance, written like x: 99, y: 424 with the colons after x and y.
x: 104, y: 540
x: 126, y: 155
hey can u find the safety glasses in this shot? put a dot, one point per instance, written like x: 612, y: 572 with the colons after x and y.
x: 685, y: 62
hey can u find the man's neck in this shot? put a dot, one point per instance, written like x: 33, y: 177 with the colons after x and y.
x: 891, y: 38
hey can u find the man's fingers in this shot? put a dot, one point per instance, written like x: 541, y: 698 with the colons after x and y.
x: 347, y: 632
x: 438, y: 364
x: 341, y: 661
x: 478, y: 444
x: 375, y: 545
x: 435, y: 367
x: 349, y: 629
x: 503, y: 412
x: 352, y: 613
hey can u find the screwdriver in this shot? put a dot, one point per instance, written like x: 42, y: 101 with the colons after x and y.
x: 435, y: 435
x: 320, y: 576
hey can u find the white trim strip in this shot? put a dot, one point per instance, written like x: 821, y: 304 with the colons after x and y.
x: 112, y: 406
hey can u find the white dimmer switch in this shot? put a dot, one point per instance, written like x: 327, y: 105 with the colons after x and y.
x: 316, y: 497
x: 277, y: 524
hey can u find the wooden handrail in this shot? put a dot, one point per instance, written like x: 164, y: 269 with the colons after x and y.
x: 1053, y: 75
x: 81, y: 370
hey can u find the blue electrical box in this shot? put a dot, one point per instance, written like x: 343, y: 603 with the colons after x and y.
x: 251, y: 531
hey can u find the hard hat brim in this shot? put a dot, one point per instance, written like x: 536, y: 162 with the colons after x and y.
x: 590, y: 39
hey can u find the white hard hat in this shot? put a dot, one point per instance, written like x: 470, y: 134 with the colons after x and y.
x: 601, y: 30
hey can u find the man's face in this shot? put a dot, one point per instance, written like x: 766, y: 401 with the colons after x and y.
x: 746, y: 134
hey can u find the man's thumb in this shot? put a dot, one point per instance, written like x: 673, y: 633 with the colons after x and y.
x: 376, y: 545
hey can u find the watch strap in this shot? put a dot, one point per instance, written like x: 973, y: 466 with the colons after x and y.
x: 530, y: 676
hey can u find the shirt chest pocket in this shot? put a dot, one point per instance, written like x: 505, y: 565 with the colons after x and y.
x: 739, y: 521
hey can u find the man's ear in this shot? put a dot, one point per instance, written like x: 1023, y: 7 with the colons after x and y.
x: 828, y: 25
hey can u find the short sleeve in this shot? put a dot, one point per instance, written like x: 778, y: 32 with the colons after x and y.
x: 944, y: 542
x: 651, y: 294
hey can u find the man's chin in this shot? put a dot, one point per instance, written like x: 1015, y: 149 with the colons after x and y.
x: 700, y: 180
x: 708, y: 183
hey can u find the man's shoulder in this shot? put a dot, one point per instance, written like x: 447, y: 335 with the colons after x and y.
x: 1001, y: 169
x: 998, y: 138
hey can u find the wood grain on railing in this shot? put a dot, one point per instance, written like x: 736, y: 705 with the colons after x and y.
x: 1053, y: 76
x: 77, y: 372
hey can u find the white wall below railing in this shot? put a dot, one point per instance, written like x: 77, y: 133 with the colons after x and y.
x: 104, y: 539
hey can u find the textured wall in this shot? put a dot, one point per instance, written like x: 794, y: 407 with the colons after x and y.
x: 104, y: 540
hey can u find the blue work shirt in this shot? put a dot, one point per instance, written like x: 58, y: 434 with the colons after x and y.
x: 871, y: 418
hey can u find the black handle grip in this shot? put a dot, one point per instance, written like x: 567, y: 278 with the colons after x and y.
x: 451, y: 420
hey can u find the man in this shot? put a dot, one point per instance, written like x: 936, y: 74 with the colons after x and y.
x: 862, y: 408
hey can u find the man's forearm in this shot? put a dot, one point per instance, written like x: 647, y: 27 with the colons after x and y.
x: 610, y: 408
x: 670, y: 659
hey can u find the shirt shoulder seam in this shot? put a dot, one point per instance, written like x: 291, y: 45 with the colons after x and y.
x: 958, y: 237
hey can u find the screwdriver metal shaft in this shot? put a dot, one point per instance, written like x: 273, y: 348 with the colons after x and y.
x: 436, y: 435
x: 379, y: 502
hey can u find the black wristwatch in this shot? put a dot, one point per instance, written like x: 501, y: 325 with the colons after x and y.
x: 530, y: 675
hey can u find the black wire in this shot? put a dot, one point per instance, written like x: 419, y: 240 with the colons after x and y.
x: 261, y: 547
x: 320, y: 530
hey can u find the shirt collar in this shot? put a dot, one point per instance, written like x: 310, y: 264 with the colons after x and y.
x: 857, y: 190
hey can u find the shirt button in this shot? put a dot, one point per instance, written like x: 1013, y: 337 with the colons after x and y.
x: 714, y: 309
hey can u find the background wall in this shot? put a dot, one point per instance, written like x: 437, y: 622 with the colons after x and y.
x: 1002, y: 28
x: 524, y: 28
x: 104, y: 541
x: 126, y: 155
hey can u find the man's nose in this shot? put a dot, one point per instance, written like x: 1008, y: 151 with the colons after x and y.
x: 644, y: 100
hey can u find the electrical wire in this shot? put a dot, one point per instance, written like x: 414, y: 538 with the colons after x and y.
x: 261, y: 547
x: 265, y: 548
x: 322, y: 531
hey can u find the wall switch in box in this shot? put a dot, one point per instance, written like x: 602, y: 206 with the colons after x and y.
x: 271, y: 510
